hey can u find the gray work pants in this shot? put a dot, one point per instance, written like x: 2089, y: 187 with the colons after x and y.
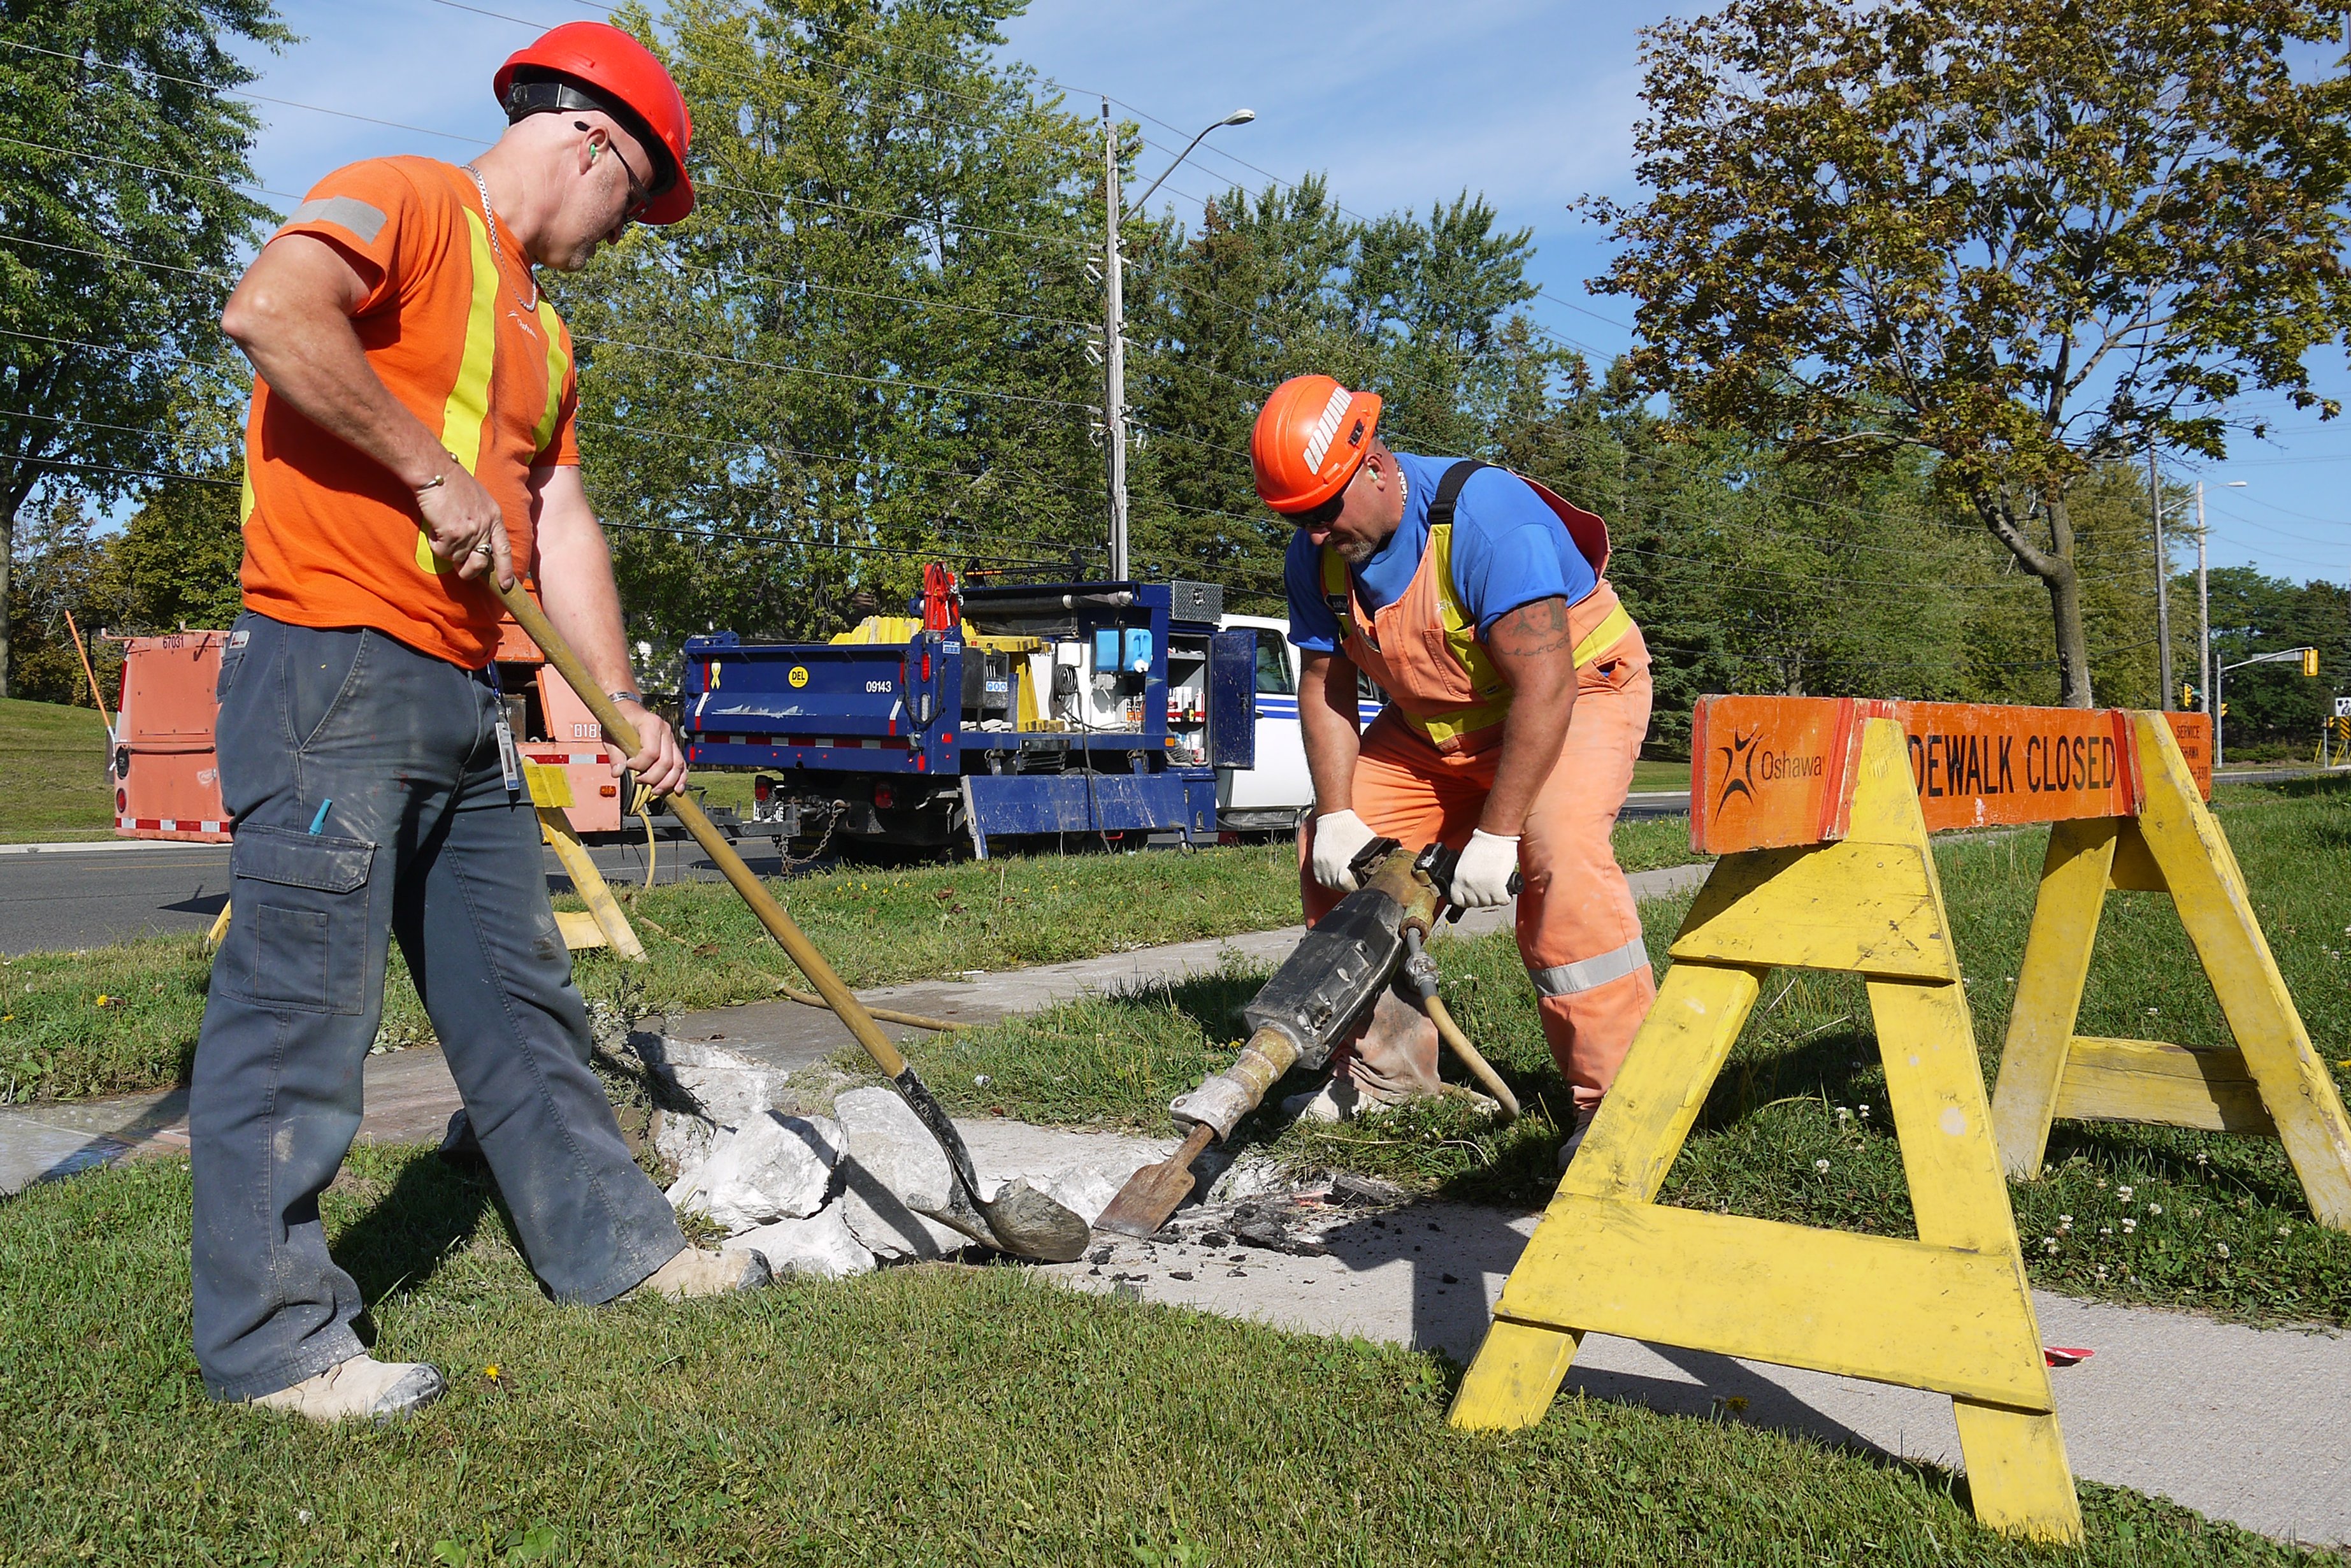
x: 422, y: 841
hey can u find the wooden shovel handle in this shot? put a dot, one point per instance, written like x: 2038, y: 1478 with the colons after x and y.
x: 837, y: 996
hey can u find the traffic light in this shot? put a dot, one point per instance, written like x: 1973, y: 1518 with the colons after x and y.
x: 2187, y: 695
x: 2224, y: 710
x: 2310, y: 661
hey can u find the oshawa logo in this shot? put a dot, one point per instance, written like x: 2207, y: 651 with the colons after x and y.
x: 1746, y: 764
x: 1738, y: 766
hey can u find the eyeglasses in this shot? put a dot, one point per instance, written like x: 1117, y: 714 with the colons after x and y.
x: 641, y: 195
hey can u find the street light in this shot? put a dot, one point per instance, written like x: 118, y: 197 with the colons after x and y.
x: 1238, y: 117
x: 2204, y: 613
x: 1114, y: 326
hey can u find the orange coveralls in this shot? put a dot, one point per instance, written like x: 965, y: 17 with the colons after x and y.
x: 1428, y: 760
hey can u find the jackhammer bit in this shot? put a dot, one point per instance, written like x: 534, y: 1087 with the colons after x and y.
x: 1322, y: 991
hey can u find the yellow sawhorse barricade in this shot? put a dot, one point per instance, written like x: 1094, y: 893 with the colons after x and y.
x: 1821, y: 809
x: 2273, y: 1084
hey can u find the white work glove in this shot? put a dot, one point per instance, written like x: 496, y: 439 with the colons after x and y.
x: 1481, y: 879
x: 1339, y: 838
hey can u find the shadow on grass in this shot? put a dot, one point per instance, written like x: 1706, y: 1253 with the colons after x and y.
x: 401, y: 1241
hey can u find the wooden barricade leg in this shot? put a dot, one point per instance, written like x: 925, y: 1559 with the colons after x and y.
x: 2049, y: 989
x: 1632, y: 1143
x: 2218, y: 911
x: 551, y: 792
x: 1949, y: 1311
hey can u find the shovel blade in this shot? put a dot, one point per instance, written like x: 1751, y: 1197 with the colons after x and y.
x: 1151, y: 1194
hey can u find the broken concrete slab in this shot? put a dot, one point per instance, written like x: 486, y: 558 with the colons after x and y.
x: 820, y: 1247
x: 772, y: 1168
x: 893, y: 1169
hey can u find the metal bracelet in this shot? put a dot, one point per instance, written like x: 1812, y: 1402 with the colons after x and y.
x: 637, y: 697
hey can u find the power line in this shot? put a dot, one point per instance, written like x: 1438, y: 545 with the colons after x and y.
x: 135, y: 473
x: 152, y: 169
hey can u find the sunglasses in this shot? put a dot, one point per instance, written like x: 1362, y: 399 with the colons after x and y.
x: 1323, y: 516
x: 641, y: 195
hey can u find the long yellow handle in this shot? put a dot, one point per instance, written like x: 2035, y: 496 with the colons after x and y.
x: 837, y: 996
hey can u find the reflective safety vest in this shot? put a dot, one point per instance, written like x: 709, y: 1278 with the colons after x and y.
x: 1423, y: 650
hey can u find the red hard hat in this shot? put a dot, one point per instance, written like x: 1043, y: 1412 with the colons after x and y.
x: 1310, y: 438
x: 613, y: 72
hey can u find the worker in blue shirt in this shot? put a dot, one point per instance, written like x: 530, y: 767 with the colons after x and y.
x: 1517, y: 697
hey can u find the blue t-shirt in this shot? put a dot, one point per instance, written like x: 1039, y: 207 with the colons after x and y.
x: 1509, y: 548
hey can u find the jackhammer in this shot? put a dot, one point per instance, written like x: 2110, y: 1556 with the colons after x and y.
x: 1322, y: 992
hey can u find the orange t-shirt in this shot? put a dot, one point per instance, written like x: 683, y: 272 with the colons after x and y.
x: 331, y: 536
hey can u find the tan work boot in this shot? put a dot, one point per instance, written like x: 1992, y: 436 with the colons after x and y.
x: 363, y: 1388
x: 697, y: 1272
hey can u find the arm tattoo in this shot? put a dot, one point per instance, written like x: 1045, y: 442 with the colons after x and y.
x: 1532, y: 630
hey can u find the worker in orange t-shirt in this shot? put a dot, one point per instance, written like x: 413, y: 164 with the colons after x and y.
x: 412, y: 432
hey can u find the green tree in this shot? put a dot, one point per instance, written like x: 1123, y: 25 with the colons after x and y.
x: 867, y: 346
x: 120, y: 142
x: 61, y: 569
x: 2023, y: 238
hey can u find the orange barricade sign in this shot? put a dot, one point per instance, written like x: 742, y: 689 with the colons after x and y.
x: 1775, y: 772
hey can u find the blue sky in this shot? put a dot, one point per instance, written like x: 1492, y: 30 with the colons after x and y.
x: 1401, y: 105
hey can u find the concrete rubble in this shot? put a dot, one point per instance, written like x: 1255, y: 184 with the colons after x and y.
x: 833, y: 1197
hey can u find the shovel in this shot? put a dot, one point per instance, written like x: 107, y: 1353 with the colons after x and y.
x: 1021, y: 1219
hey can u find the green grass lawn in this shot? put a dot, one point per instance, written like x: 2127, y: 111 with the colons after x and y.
x: 2133, y: 1214
x: 52, y: 774
x: 59, y: 1041
x: 928, y: 1415
x: 1651, y: 774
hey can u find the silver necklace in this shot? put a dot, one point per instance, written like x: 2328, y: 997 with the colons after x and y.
x: 498, y: 251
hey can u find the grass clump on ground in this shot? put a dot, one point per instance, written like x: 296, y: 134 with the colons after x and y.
x: 933, y: 1414
x: 2155, y: 1214
x: 53, y: 773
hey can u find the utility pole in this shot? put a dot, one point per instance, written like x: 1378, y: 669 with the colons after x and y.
x: 2162, y: 582
x: 1113, y: 353
x: 2204, y: 614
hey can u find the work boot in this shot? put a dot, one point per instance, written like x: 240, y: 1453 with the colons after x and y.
x: 697, y: 1271
x: 1392, y: 1060
x: 361, y: 1387
x: 1579, y: 1123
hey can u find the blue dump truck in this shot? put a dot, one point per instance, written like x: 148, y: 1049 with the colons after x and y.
x: 1006, y: 712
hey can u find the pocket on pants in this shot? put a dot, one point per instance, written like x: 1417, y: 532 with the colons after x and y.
x: 302, y: 905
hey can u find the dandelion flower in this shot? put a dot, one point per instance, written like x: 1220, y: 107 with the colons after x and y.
x: 491, y: 1371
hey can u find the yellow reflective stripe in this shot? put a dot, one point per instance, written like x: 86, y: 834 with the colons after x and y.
x: 468, y: 408
x: 1604, y: 637
x: 558, y: 365
x: 1338, y: 592
x: 1460, y: 630
x: 469, y: 399
x: 245, y: 497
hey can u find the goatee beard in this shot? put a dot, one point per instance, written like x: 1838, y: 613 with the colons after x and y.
x: 1355, y: 552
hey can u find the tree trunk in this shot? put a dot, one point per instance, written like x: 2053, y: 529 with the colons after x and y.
x: 2065, y: 607
x: 2054, y: 567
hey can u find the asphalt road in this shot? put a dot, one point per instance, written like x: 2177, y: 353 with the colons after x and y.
x: 73, y: 895
x: 84, y: 896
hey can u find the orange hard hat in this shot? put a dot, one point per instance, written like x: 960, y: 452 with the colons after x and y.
x: 1310, y: 438
x: 595, y: 66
